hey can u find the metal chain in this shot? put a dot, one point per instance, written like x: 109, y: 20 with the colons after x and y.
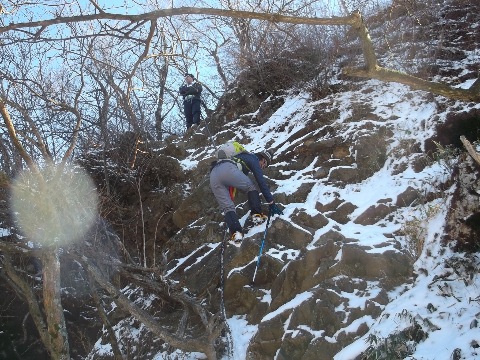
x: 228, y: 333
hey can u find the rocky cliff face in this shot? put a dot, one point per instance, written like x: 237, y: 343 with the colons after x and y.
x: 361, y: 169
x: 331, y: 262
x: 307, y: 254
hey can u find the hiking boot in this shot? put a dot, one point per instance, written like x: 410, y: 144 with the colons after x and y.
x: 254, y: 220
x: 188, y: 132
x: 236, y: 237
x: 258, y: 219
x: 233, y: 224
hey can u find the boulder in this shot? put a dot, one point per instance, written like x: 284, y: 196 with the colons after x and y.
x: 309, y: 222
x: 374, y: 214
x: 346, y: 175
x: 294, y: 345
x: 268, y: 339
x: 302, y: 274
x: 407, y: 197
x: 371, y: 150
x: 391, y: 265
x: 342, y: 213
x: 288, y: 235
x: 321, y: 349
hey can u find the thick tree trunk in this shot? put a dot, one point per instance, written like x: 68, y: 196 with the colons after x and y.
x: 388, y: 75
x: 56, y: 326
x: 373, y: 71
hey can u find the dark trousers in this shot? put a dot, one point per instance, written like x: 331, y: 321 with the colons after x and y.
x: 191, y: 109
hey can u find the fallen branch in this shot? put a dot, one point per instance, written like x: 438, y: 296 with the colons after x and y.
x: 470, y: 149
x: 204, y: 343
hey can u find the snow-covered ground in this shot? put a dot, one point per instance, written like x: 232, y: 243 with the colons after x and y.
x: 442, y: 300
x: 447, y: 309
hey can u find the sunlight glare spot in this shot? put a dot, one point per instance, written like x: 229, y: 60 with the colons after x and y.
x: 54, y: 207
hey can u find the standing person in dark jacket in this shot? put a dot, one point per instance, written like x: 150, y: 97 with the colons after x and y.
x: 191, y: 100
x: 228, y: 173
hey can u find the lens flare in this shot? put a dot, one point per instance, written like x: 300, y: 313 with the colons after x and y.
x: 56, y: 206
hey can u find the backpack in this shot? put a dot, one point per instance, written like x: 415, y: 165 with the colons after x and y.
x: 228, y: 150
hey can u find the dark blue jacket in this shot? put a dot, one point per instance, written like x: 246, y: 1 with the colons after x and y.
x: 191, y: 91
x: 250, y: 162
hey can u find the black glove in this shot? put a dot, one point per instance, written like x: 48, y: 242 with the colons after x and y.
x: 275, y: 209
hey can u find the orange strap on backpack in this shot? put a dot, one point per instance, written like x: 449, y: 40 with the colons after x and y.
x: 232, y: 192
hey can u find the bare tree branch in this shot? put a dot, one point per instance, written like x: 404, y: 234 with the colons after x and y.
x: 39, y: 142
x: 94, y: 3
x: 106, y: 322
x: 371, y: 70
x: 154, y: 15
x: 13, y: 136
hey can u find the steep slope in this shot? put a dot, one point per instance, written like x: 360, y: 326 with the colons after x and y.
x: 376, y: 217
x: 332, y: 258
x: 365, y: 196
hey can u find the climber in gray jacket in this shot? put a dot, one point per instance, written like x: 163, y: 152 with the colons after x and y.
x: 229, y: 174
